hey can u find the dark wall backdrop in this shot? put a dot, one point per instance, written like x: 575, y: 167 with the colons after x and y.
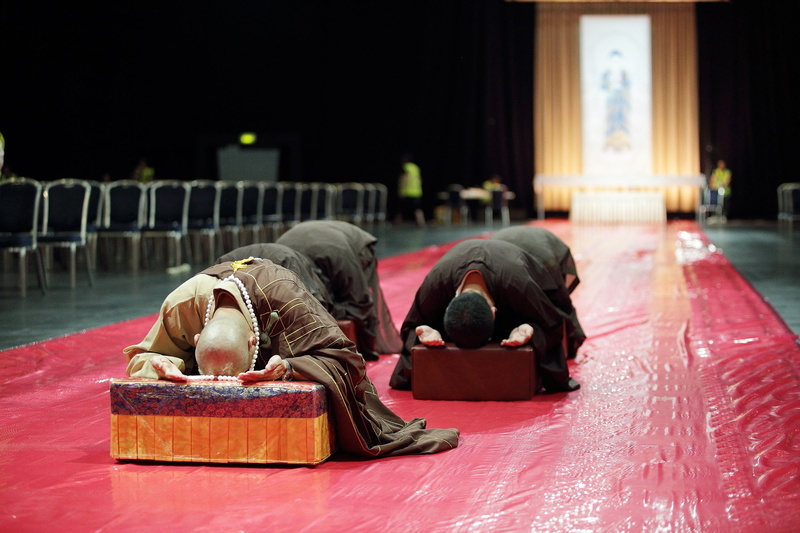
x: 343, y: 88
x: 748, y: 104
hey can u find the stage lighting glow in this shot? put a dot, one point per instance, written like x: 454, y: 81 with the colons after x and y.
x: 247, y: 138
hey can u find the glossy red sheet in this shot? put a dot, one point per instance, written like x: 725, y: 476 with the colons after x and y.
x: 687, y: 420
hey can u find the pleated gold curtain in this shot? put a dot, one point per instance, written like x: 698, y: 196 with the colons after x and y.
x: 557, y: 95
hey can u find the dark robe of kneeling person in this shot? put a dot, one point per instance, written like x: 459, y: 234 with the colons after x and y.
x: 299, y: 263
x: 256, y: 321
x: 484, y: 291
x: 555, y: 256
x: 345, y: 254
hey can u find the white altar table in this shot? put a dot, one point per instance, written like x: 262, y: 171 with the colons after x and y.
x: 680, y: 193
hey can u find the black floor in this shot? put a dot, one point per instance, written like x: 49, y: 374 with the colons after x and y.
x: 769, y: 257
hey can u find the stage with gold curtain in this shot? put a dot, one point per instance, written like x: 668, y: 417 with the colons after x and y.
x: 559, y: 136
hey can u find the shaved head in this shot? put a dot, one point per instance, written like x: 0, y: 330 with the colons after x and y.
x: 223, y: 348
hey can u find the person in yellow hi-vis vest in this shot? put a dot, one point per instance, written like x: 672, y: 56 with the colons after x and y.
x: 143, y: 172
x: 720, y: 179
x: 410, y: 192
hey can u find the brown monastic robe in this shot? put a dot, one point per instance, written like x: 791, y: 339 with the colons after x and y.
x: 305, y: 332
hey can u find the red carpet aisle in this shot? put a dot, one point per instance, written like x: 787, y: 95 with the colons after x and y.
x: 686, y: 421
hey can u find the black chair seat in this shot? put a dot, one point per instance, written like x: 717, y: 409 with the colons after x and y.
x: 61, y: 238
x: 120, y: 227
x: 164, y: 226
x: 196, y: 224
x: 124, y: 210
x: 16, y: 241
x: 65, y: 221
x: 19, y: 225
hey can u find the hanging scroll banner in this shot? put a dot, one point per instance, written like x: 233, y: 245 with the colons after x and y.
x: 616, y: 95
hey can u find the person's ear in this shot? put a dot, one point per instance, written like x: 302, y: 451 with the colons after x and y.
x: 196, y: 338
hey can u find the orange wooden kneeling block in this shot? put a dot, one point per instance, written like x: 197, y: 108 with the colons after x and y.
x: 220, y: 422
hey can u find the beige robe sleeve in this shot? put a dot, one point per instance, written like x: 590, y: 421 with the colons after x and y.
x: 181, y: 316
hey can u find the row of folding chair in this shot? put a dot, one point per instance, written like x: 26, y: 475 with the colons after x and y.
x: 36, y: 217
x: 197, y: 220
x: 227, y: 214
x: 74, y: 214
x: 191, y: 217
x: 362, y: 203
x: 211, y: 217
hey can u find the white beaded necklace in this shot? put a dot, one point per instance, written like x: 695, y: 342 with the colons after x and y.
x: 253, y: 318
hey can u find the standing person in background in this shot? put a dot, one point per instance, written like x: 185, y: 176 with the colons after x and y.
x: 5, y: 171
x: 410, y: 192
x: 495, y: 183
x: 721, y: 179
x: 143, y: 173
x: 2, y: 151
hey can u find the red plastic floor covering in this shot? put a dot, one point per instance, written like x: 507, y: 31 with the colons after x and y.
x: 687, y: 420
